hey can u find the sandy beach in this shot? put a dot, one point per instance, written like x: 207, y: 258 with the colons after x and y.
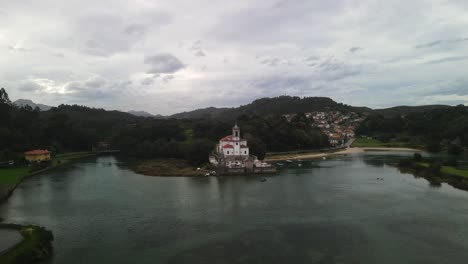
x: 339, y: 152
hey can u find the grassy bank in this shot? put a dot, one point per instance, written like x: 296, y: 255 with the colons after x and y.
x: 11, y: 177
x: 435, y: 172
x: 165, y: 167
x: 36, y: 245
x: 449, y: 170
x: 374, y: 143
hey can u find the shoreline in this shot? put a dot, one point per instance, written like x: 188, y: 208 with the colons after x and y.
x: 35, y: 245
x: 7, y: 191
x: 352, y: 150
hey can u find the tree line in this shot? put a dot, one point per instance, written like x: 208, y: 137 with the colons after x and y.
x: 436, y: 129
x: 69, y: 128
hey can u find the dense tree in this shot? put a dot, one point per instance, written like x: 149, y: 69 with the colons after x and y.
x: 77, y: 128
x: 436, y: 128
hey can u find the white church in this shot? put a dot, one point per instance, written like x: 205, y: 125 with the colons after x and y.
x: 232, y: 156
x: 233, y: 145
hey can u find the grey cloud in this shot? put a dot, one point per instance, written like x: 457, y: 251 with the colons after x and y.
x: 97, y: 88
x: 447, y: 59
x: 167, y: 78
x: 197, y: 49
x: 104, y: 34
x: 271, y: 62
x: 20, y: 49
x: 200, y: 53
x: 354, y: 49
x: 30, y: 86
x: 134, y: 29
x: 430, y: 44
x: 59, y: 55
x: 147, y: 81
x: 460, y: 40
x: 312, y: 58
x: 268, y: 22
x: 440, y: 42
x: 163, y: 63
x: 279, y: 84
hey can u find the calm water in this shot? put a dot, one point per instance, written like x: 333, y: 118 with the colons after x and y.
x: 331, y: 211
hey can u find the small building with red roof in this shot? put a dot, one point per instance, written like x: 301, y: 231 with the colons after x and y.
x: 37, y: 155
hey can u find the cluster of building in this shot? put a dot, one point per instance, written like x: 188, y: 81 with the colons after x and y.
x: 338, y: 126
x: 232, y: 156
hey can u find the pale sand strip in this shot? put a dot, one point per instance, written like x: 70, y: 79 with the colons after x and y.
x: 339, y: 152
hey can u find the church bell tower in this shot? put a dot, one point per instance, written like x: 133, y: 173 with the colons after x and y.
x: 236, y: 132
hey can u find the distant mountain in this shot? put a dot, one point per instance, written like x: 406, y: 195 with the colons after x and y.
x: 140, y: 113
x: 405, y: 110
x: 24, y: 102
x: 209, y: 112
x: 269, y: 106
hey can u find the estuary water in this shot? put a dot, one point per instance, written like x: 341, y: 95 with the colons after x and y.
x: 346, y: 209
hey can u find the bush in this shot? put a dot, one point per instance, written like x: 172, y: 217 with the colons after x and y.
x: 454, y: 149
x: 433, y: 169
x: 417, y: 157
x: 433, y: 146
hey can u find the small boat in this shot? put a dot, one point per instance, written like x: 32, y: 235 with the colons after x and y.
x: 290, y: 161
x: 279, y: 164
x: 324, y: 158
x: 263, y: 180
x: 299, y: 165
x: 207, y: 174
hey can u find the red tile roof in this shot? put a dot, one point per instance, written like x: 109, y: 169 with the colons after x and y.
x: 226, y: 138
x: 228, y: 146
x: 37, y: 152
x: 230, y: 138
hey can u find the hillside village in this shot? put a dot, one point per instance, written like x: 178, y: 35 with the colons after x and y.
x: 338, y: 126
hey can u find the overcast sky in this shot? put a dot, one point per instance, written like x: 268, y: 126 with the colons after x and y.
x: 170, y: 56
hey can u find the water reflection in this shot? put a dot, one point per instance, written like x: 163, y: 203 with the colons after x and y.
x: 327, y: 211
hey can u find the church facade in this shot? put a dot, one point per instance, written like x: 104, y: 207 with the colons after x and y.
x: 233, y: 145
x: 232, y: 157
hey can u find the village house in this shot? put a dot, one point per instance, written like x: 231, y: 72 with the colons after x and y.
x: 37, y: 155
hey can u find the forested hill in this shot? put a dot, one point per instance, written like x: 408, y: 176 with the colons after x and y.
x: 405, y: 110
x: 70, y: 128
x: 271, y: 106
x: 437, y: 128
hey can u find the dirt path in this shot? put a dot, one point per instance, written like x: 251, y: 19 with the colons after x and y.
x: 339, y: 152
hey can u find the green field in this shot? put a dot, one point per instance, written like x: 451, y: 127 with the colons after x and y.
x: 369, y: 143
x: 449, y: 170
x: 9, y: 177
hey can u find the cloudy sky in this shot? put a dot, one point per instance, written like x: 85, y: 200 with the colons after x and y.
x: 170, y: 56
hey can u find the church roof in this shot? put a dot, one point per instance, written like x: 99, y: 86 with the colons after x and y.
x: 230, y: 138
x: 228, y: 146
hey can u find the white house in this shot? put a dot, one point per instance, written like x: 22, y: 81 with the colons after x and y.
x: 233, y: 145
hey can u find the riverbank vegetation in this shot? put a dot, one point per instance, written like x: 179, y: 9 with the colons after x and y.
x: 437, y: 171
x: 36, y: 245
x: 436, y: 129
x: 364, y: 142
x: 166, y: 167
